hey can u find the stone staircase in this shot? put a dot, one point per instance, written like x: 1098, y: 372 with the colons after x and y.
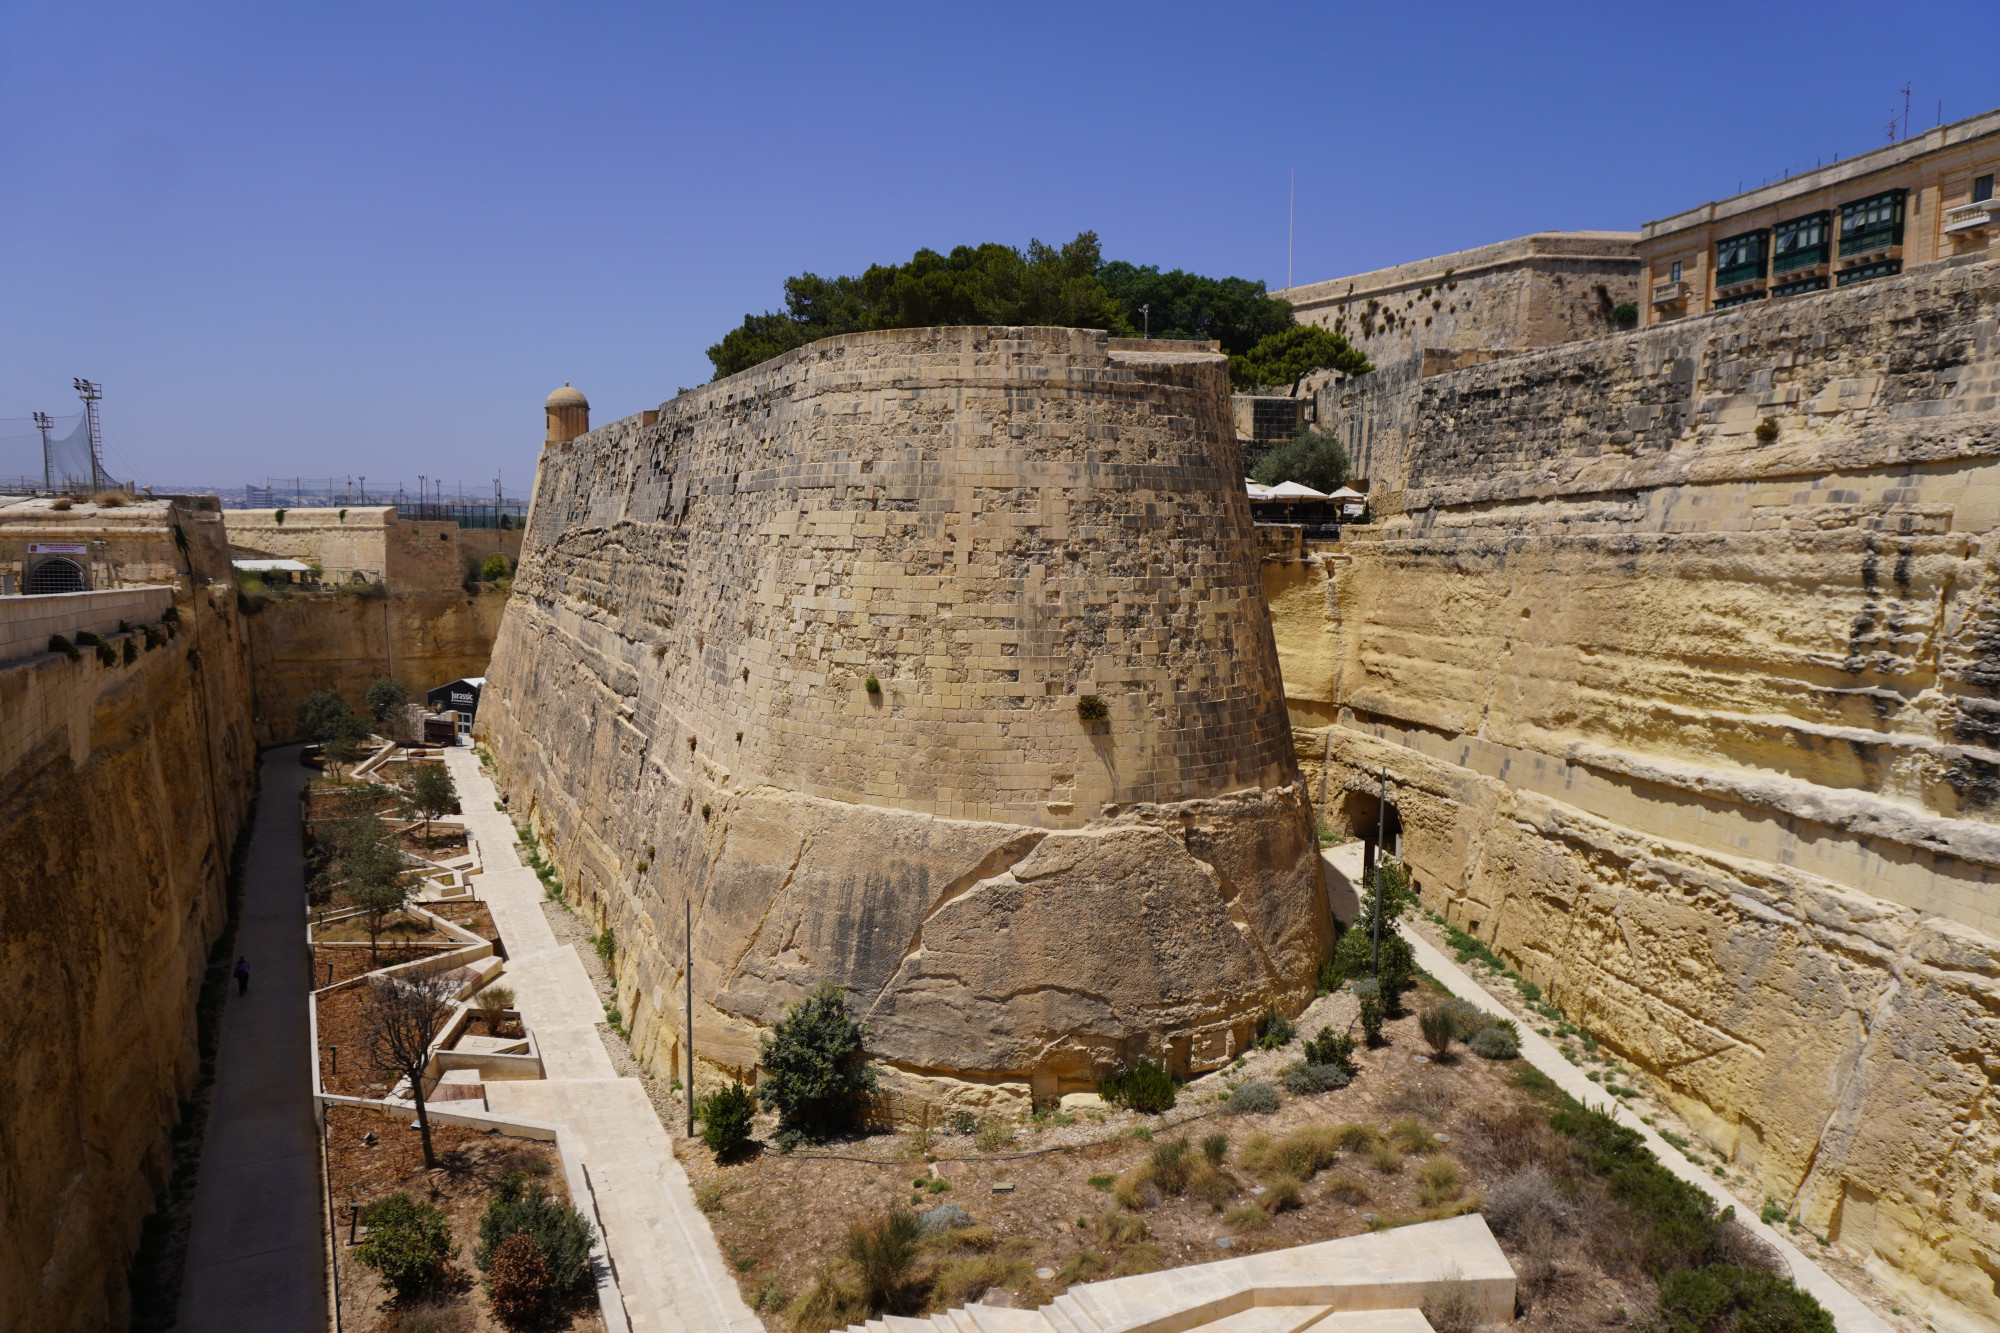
x: 1375, y: 1283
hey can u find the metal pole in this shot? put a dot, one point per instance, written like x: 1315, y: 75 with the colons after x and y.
x: 687, y: 964
x: 1381, y: 822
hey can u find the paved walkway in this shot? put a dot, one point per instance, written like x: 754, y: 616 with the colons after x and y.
x: 670, y: 1271
x: 257, y: 1250
x: 1849, y: 1314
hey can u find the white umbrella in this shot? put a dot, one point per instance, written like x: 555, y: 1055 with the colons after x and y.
x: 1257, y: 490
x: 1291, y: 490
x: 1347, y: 493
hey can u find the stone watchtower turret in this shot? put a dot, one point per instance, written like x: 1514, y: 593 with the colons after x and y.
x: 568, y: 413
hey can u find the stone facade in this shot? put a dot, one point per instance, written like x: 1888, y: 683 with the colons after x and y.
x: 985, y: 525
x: 369, y: 545
x: 1534, y: 291
x: 121, y: 789
x: 1697, y: 726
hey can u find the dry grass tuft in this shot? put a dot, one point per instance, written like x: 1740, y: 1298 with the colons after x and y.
x: 1346, y: 1187
x: 1439, y: 1180
x: 1386, y: 1159
x: 1304, y: 1152
x: 1247, y: 1218
x: 1410, y: 1135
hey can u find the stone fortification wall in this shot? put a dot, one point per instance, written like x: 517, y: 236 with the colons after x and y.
x: 121, y: 789
x: 1699, y: 728
x: 989, y: 524
x: 1533, y: 291
x: 344, y: 642
x: 372, y: 543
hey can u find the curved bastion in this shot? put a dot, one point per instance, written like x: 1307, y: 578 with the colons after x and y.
x: 805, y: 650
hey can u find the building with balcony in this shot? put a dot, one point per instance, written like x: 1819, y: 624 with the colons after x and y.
x: 1921, y: 201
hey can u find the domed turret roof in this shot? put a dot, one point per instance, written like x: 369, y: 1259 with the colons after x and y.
x: 568, y: 397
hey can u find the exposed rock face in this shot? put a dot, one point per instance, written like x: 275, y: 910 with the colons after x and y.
x: 345, y: 643
x: 987, y: 524
x: 125, y: 787
x: 1699, y: 729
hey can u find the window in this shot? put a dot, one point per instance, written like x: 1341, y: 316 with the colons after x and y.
x: 1677, y: 263
x: 1800, y: 243
x: 1739, y: 259
x: 1982, y: 188
x: 1875, y: 223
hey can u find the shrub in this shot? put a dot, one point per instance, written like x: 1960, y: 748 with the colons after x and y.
x: 1698, y: 1300
x: 1448, y: 1307
x: 1123, y: 1228
x: 1529, y: 990
x: 1254, y: 1150
x: 994, y: 1134
x: 385, y: 696
x: 1625, y: 314
x: 1303, y: 1080
x: 518, y: 1281
x: 1304, y: 1152
x: 492, y: 1004
x: 833, y: 1301
x: 1527, y: 1206
x: 872, y: 685
x: 883, y: 1252
x: 408, y: 1243
x: 1274, y: 1030
x: 1258, y: 1098
x: 1385, y: 1159
x: 1215, y: 1147
x: 1410, y: 1135
x: 1495, y: 1043
x: 1331, y: 1048
x: 1438, y: 1180
x: 559, y: 1233
x: 1092, y: 708
x: 607, y: 946
x: 1356, y: 1137
x: 1767, y: 430
x: 1350, y: 958
x: 1281, y: 1194
x: 1143, y: 1086
x: 495, y: 567
x: 1171, y: 1166
x: 1467, y: 1018
x: 725, y: 1120
x: 1371, y: 1019
x: 59, y: 644
x: 816, y: 1069
x: 1438, y: 1030
x: 1247, y: 1218
x: 322, y: 715
x: 130, y: 652
x: 1398, y: 965
x: 708, y: 1197
x: 1346, y: 1187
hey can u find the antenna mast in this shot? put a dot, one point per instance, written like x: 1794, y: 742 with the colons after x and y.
x: 1291, y: 212
x: 91, y: 393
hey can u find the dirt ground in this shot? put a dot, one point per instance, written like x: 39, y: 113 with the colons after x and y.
x: 471, y: 1163
x: 1048, y: 1216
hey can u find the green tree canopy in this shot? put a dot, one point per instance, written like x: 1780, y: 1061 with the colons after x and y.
x: 1234, y: 311
x: 322, y: 715
x: 1311, y: 458
x: 385, y: 695
x: 985, y: 284
x: 1287, y: 357
x: 815, y: 1068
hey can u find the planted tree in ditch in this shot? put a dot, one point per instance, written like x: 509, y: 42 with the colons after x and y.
x: 816, y: 1069
x: 405, y: 1016
x: 431, y: 794
x: 377, y: 884
x: 385, y: 696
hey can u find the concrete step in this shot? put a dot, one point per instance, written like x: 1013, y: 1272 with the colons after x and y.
x: 1072, y: 1310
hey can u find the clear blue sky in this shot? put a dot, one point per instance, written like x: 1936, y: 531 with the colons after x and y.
x: 359, y: 238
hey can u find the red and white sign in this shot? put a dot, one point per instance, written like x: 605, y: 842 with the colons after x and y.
x: 58, y: 548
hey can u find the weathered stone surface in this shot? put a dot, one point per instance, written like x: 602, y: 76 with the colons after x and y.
x: 990, y: 523
x: 1696, y: 728
x: 115, y: 828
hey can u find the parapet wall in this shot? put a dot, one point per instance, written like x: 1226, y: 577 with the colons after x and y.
x: 1699, y: 728
x: 987, y: 524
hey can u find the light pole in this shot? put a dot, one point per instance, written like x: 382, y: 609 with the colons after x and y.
x: 43, y: 422
x: 1146, y: 313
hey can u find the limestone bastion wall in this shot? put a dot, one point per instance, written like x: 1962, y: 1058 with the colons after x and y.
x: 1702, y: 730
x: 121, y: 790
x: 990, y: 523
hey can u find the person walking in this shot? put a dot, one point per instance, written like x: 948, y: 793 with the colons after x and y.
x: 242, y: 975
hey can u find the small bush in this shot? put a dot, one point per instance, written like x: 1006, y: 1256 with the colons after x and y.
x: 1303, y: 1080
x: 1274, y: 1030
x: 1371, y: 1019
x: 1254, y: 1099
x: 1356, y: 1137
x: 1281, y: 1194
x: 1438, y: 1030
x: 1698, y: 1300
x: 1172, y: 1166
x: 833, y: 1301
x: 725, y: 1120
x: 1495, y: 1043
x: 1304, y: 1152
x: 1625, y: 314
x: 1123, y: 1228
x: 1467, y: 1018
x: 130, y: 652
x: 1410, y: 1135
x: 1449, y: 1308
x: 1092, y: 708
x: 1144, y: 1087
x: 517, y: 1280
x: 1082, y: 1267
x: 495, y: 567
x: 607, y: 946
x: 1247, y: 1218
x: 872, y: 685
x: 1767, y: 430
x: 559, y: 1233
x: 816, y: 1070
x: 1385, y: 1159
x: 1215, y: 1147
x: 1255, y: 1149
x: 1439, y: 1180
x: 708, y: 1197
x: 994, y: 1134
x: 1331, y: 1048
x: 1346, y: 1187
x: 883, y: 1253
x: 59, y: 644
x: 1529, y: 990
x: 408, y: 1243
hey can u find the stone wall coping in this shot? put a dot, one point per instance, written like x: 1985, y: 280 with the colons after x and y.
x: 1467, y: 263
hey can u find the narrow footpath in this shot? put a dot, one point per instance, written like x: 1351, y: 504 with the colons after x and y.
x: 671, y: 1273
x: 257, y: 1247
